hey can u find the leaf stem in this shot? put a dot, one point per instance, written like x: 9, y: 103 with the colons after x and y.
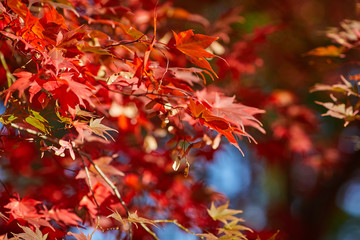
x: 10, y: 78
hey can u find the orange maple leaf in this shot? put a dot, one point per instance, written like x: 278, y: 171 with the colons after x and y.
x: 328, y: 51
x: 193, y: 45
x: 18, y: 7
x: 52, y: 16
x: 221, y: 125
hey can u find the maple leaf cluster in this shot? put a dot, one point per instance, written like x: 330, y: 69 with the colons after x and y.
x: 345, y: 93
x: 105, y: 107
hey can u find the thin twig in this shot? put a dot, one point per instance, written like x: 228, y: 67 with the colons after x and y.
x: 81, y: 153
x: 147, y: 94
x: 56, y: 141
x: 108, y: 181
x: 123, y: 42
x: 5, y: 218
x: 111, y: 185
x: 149, y: 231
x: 187, y: 94
x: 6, y: 190
x: 36, y: 133
x: 179, y: 225
x: 10, y: 78
x: 91, y: 189
x: 61, y: 166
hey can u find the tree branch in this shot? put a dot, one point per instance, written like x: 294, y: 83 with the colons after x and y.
x: 111, y: 185
x: 10, y: 78
x: 149, y: 231
x: 35, y: 133
x: 179, y: 225
x: 81, y: 153
x: 91, y: 189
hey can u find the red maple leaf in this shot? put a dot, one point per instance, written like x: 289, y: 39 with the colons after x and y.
x: 221, y: 114
x: 18, y: 7
x: 235, y: 113
x: 64, y: 217
x: 26, y: 209
x: 52, y: 16
x: 94, y: 177
x: 21, y: 84
x: 71, y: 92
x: 193, y: 45
x: 221, y: 125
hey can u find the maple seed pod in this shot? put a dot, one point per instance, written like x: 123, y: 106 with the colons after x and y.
x: 170, y: 129
x: 150, y: 144
x: 187, y: 169
x: 216, y: 142
x: 176, y: 164
x: 167, y: 106
x: 173, y: 112
x: 165, y: 122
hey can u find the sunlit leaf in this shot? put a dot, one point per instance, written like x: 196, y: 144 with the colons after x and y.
x: 222, y: 213
x: 328, y: 51
x: 100, y: 129
x: 37, y: 123
x: 30, y: 234
x: 80, y: 236
x: 193, y: 45
x: 133, y: 218
x: 18, y: 7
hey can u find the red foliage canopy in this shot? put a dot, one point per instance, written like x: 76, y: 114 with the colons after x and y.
x: 102, y: 110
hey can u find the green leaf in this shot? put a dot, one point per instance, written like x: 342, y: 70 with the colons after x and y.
x: 12, y: 118
x: 92, y: 49
x: 8, y: 120
x: 65, y: 120
x: 36, y: 123
x: 38, y: 116
x: 132, y: 32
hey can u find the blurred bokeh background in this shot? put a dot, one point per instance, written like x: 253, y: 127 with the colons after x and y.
x: 303, y: 176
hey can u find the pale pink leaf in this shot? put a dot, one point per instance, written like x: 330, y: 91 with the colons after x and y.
x: 100, y: 129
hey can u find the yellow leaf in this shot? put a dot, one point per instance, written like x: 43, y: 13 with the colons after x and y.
x: 223, y: 214
x: 36, y: 123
